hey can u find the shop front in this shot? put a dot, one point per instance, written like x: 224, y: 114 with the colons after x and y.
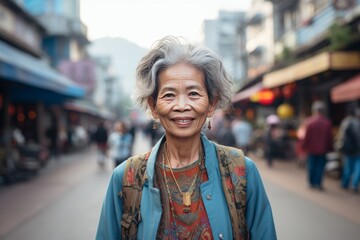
x: 314, y: 78
x: 29, y: 88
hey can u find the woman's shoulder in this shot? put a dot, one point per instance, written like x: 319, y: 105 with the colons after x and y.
x: 249, y: 163
x: 118, y: 172
x: 134, y: 161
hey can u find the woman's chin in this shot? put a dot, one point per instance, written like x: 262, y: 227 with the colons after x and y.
x: 184, y: 133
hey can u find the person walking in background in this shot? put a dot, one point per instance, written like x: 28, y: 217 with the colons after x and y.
x: 348, y: 142
x: 226, y: 136
x: 317, y: 142
x: 300, y: 153
x: 53, y: 135
x: 242, y: 131
x: 100, y: 138
x: 155, y: 131
x: 120, y: 143
x: 132, y: 131
x: 271, y: 138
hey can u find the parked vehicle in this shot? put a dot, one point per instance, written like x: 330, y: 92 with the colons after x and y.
x: 35, y: 152
x: 20, y: 160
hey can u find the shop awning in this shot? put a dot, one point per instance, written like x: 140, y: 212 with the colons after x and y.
x: 18, y: 66
x: 346, y: 91
x: 83, y: 106
x: 314, y: 65
x: 248, y: 92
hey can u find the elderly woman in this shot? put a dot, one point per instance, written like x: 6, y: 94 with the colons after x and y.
x: 186, y: 187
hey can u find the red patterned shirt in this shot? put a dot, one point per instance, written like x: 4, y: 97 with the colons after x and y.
x: 192, y: 225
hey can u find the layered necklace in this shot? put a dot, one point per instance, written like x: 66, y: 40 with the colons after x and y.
x: 186, y: 196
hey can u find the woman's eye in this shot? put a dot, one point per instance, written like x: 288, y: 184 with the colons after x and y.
x: 194, y: 94
x: 168, y: 95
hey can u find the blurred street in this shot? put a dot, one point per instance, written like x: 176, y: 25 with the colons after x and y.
x: 66, y: 87
x: 64, y: 201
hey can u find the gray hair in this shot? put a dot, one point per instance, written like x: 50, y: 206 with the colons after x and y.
x: 171, y: 50
x: 318, y: 107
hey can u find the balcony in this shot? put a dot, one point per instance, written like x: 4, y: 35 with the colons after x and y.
x: 288, y: 40
x: 312, y: 29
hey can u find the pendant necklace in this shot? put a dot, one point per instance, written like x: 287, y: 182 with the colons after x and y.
x: 186, y: 196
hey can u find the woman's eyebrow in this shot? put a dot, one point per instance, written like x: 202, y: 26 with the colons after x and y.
x: 189, y: 87
x: 193, y: 86
x: 168, y: 88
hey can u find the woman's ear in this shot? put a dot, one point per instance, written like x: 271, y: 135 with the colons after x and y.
x: 212, y: 107
x: 152, y: 106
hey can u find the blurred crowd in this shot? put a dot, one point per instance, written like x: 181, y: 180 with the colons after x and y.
x: 312, y: 143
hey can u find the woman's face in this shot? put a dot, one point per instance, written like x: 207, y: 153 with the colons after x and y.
x: 183, y: 103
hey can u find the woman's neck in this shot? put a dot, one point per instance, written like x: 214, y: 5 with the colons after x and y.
x: 182, y: 152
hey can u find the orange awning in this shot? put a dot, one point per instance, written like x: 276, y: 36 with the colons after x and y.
x: 248, y: 92
x: 347, y: 91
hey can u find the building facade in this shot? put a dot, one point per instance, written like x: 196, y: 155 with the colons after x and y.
x: 29, y: 84
x: 226, y: 35
x: 316, y: 50
x: 260, y: 38
x: 66, y: 35
x: 66, y: 44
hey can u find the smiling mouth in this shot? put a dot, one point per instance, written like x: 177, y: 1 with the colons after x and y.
x: 183, y: 121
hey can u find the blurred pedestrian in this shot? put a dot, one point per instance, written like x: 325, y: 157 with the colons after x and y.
x: 120, y: 143
x: 242, y: 131
x: 317, y: 142
x: 53, y: 135
x: 226, y: 136
x: 101, y: 138
x: 300, y: 153
x: 349, y: 144
x: 132, y: 130
x: 155, y: 131
x: 271, y: 138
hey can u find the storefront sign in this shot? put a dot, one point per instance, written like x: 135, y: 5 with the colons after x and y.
x: 82, y: 72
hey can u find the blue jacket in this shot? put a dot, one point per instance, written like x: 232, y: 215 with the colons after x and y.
x: 258, y: 210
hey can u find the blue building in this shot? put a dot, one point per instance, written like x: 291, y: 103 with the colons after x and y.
x: 66, y: 35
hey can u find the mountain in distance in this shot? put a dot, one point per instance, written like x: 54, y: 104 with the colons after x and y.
x: 124, y: 55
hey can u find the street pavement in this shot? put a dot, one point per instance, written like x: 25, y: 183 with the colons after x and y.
x: 64, y: 201
x: 302, y: 213
x: 292, y: 178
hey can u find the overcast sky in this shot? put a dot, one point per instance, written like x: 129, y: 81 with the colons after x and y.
x: 144, y: 21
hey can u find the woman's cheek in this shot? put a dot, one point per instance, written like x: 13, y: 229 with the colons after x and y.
x: 202, y: 105
x: 163, y: 107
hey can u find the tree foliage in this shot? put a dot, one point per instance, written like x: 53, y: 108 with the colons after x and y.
x: 339, y: 36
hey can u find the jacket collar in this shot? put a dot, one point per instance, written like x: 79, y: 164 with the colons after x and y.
x: 210, y: 156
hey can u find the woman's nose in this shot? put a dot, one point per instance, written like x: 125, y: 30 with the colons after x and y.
x: 182, y: 103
